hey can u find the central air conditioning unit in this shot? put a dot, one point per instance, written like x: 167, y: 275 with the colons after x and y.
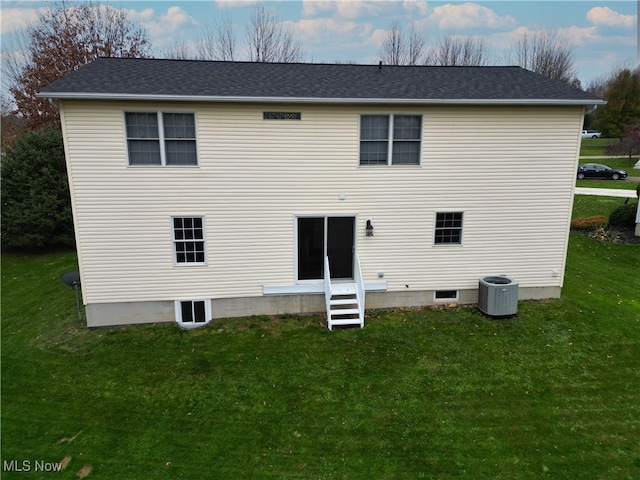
x: 498, y: 296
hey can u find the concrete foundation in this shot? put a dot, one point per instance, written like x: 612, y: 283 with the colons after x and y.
x: 132, y: 313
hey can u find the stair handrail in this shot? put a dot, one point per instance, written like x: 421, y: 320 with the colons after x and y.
x: 327, y: 287
x: 359, y: 288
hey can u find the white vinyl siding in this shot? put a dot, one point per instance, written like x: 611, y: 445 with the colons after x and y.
x: 510, y: 169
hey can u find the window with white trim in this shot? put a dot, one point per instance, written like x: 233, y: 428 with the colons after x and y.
x: 188, y: 240
x: 193, y: 313
x: 444, y: 295
x: 390, y: 139
x: 448, y: 229
x: 161, y: 138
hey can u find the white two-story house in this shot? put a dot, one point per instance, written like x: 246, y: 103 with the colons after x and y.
x: 204, y: 190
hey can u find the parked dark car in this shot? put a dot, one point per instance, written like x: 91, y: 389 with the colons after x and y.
x: 596, y: 170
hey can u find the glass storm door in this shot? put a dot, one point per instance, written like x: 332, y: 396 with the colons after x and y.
x: 325, y: 236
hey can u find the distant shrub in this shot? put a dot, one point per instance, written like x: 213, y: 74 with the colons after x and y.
x: 589, y: 223
x: 624, y: 216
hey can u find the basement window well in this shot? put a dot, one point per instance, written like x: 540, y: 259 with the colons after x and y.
x: 445, y: 295
x: 193, y: 313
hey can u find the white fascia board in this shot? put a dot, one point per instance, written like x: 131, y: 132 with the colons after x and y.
x: 315, y: 100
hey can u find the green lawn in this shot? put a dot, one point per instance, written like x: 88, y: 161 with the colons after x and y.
x: 621, y: 163
x: 618, y: 184
x: 589, y: 205
x: 595, y: 146
x: 433, y: 394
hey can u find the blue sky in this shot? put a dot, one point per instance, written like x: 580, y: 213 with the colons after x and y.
x: 604, y: 34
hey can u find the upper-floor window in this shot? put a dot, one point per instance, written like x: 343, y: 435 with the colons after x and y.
x: 161, y: 138
x: 390, y: 139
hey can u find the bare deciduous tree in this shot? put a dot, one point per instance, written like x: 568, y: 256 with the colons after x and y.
x: 217, y: 42
x: 269, y: 39
x: 398, y: 48
x: 62, y: 40
x: 546, y: 52
x: 459, y: 50
x: 179, y: 51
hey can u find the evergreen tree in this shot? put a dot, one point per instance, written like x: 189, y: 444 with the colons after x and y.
x: 36, y: 205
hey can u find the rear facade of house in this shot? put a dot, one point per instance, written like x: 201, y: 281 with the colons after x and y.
x: 205, y: 190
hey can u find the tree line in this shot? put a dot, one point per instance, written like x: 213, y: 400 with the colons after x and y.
x: 65, y: 37
x: 35, y: 196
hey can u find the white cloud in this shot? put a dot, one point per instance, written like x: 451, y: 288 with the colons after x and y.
x: 575, y: 36
x: 14, y: 19
x: 160, y: 27
x: 468, y: 15
x: 580, y: 35
x: 176, y: 18
x: 418, y: 7
x: 335, y: 39
x: 320, y: 29
x: 610, y: 18
x: 143, y: 16
x: 349, y: 9
x: 235, y: 3
x: 311, y: 8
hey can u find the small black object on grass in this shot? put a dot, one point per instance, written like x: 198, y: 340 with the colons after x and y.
x: 72, y: 279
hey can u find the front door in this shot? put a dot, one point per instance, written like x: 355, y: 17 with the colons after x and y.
x: 325, y: 236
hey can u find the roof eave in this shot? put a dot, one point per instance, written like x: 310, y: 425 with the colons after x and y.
x: 315, y: 100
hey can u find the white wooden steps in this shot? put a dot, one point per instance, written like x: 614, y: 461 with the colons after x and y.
x: 344, y: 300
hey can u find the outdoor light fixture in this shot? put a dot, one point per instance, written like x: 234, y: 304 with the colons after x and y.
x: 369, y: 229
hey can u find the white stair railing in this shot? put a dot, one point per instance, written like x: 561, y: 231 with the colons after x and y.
x: 359, y: 289
x: 327, y: 288
x: 344, y: 300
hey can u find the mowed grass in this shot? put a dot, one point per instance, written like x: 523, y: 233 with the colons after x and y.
x: 589, y: 205
x: 595, y: 146
x: 418, y: 393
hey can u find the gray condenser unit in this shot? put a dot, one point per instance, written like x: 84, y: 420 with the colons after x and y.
x: 498, y: 296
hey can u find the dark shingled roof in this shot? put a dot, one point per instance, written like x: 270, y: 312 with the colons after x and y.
x: 161, y: 79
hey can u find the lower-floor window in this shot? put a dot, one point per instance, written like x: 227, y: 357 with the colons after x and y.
x: 193, y: 312
x: 448, y: 228
x: 188, y: 240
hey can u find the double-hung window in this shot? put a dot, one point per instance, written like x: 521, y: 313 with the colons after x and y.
x: 448, y: 228
x: 390, y: 139
x: 188, y: 240
x: 161, y: 138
